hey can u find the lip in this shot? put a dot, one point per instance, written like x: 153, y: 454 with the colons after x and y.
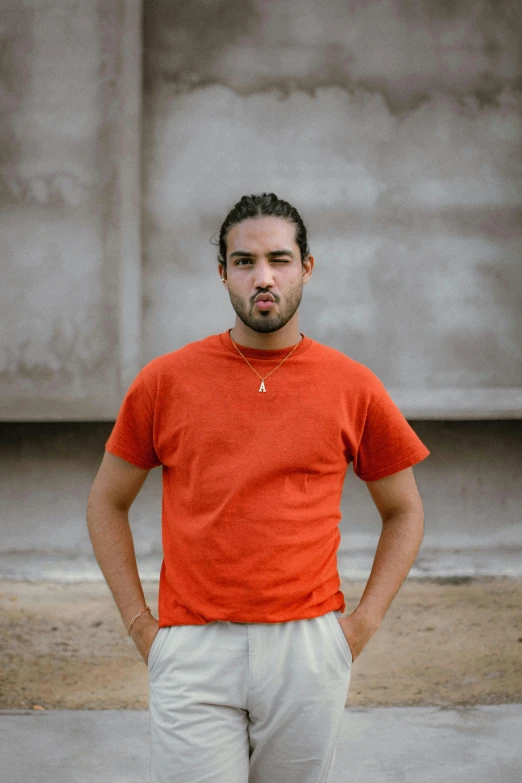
x: 264, y: 298
x: 265, y: 304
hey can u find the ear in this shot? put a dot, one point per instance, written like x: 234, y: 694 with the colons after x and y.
x: 307, y: 269
x: 222, y: 273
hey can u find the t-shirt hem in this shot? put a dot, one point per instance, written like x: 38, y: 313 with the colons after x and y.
x: 171, y: 621
x: 129, y: 457
x: 406, y: 462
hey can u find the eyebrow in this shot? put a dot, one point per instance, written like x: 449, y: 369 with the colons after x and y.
x: 272, y: 253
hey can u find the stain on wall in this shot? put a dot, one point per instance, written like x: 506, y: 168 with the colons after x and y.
x: 403, y: 49
x: 58, y: 299
x: 395, y: 127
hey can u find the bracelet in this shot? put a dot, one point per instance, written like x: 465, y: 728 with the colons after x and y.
x: 147, y: 609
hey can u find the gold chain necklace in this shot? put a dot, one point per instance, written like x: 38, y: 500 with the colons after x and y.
x: 262, y: 387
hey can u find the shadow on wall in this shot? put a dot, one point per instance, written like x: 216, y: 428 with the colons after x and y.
x: 470, y: 485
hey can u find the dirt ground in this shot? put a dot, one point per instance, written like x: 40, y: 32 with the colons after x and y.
x: 443, y: 642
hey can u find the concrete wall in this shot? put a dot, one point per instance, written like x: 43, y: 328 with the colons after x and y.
x: 396, y: 128
x: 470, y: 485
x: 69, y: 99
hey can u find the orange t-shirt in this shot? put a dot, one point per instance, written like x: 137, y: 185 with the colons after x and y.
x: 252, y: 480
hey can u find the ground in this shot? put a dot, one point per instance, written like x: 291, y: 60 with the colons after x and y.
x: 444, y: 642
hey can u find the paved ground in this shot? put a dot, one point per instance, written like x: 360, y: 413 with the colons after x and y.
x: 379, y: 745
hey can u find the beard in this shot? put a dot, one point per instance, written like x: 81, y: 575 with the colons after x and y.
x: 266, y: 322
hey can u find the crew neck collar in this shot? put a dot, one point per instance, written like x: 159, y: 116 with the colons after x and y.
x: 261, y: 353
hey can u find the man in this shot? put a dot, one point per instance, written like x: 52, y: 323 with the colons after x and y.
x: 249, y: 664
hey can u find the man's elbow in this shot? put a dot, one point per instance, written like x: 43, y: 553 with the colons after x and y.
x: 410, y: 517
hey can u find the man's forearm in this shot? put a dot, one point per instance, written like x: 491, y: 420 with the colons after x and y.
x: 397, y: 549
x: 113, y: 546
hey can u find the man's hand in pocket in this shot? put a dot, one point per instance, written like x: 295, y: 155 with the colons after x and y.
x: 358, y: 629
x: 143, y: 633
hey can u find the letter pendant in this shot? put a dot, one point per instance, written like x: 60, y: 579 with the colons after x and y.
x: 262, y: 387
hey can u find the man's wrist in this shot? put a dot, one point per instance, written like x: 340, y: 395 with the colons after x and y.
x: 141, y: 624
x: 370, y: 617
x: 136, y: 617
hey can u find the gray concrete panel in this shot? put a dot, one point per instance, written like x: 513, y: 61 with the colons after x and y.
x: 402, y: 158
x: 68, y: 124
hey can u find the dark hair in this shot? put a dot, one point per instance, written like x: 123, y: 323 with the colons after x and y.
x: 258, y: 206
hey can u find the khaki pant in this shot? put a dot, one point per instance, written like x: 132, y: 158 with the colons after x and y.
x: 247, y: 702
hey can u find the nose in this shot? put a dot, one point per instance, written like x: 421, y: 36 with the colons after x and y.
x: 264, y: 277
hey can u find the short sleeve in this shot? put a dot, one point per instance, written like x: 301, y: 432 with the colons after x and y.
x: 388, y: 443
x: 132, y: 437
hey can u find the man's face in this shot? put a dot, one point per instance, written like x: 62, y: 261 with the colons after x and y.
x: 264, y: 272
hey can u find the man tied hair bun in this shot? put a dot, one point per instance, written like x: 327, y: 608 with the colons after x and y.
x: 261, y: 205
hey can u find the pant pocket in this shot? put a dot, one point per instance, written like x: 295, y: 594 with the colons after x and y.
x: 341, y: 638
x: 157, y: 645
